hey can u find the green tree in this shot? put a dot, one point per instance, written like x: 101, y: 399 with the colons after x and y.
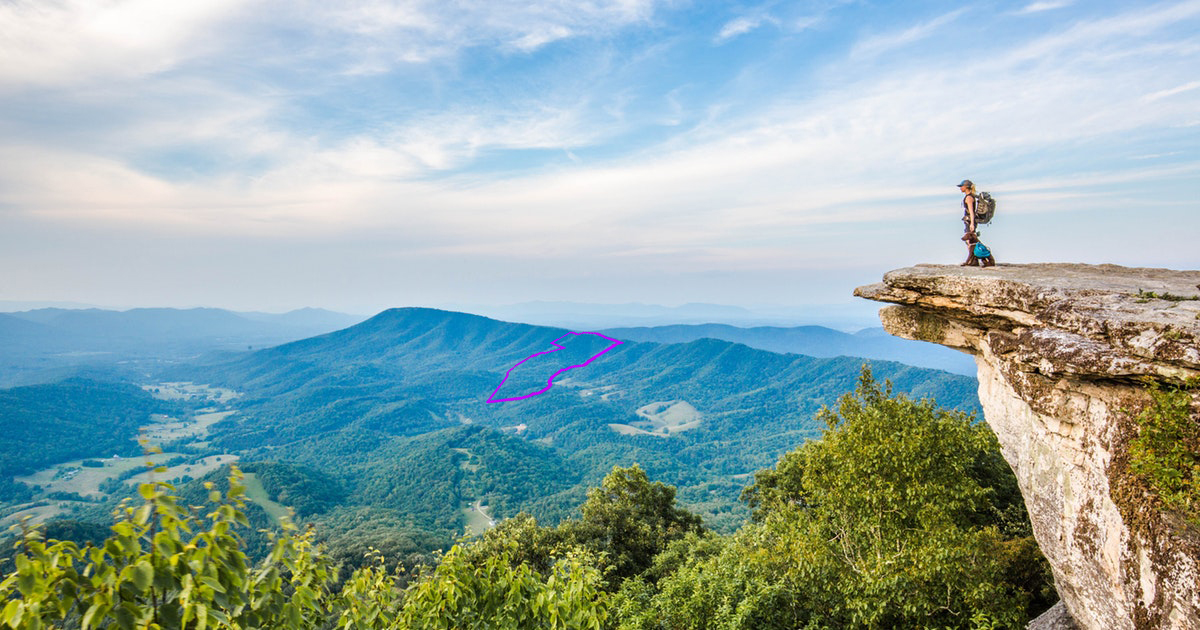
x: 153, y: 572
x: 892, y: 520
x: 630, y: 520
x: 501, y: 595
x: 369, y: 599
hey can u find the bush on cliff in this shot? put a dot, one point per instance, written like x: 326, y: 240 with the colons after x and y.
x: 1166, y: 452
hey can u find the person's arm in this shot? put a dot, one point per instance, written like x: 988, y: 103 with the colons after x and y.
x: 970, y: 201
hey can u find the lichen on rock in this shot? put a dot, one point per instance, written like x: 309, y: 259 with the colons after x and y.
x: 1065, y: 354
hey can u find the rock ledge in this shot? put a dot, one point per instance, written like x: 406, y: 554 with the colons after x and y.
x: 1064, y: 352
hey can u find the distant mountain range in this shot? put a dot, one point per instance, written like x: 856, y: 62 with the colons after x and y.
x: 697, y: 414
x: 590, y: 316
x: 43, y: 344
x: 814, y: 341
x: 390, y: 415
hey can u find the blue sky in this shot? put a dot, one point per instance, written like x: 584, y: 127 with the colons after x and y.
x: 270, y: 154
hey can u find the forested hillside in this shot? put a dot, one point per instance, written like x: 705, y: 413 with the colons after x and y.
x: 814, y: 341
x: 379, y: 394
x: 902, y: 515
x: 46, y: 424
x: 380, y: 435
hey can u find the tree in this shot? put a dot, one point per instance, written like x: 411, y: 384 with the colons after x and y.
x: 153, y: 572
x: 893, y: 519
x: 630, y: 520
x: 498, y: 594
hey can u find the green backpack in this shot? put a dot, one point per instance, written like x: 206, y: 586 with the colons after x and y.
x: 985, y: 208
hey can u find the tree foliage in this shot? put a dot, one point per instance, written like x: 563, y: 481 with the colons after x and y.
x: 902, y: 515
x: 891, y: 520
x: 1166, y: 451
x: 630, y: 520
x: 154, y: 572
x: 166, y: 566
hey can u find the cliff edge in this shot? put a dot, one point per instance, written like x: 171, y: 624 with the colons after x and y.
x: 1065, y: 354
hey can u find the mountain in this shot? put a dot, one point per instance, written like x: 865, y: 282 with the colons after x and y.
x: 816, y: 341
x: 592, y: 316
x: 316, y: 319
x: 700, y: 415
x: 46, y: 344
x: 21, y: 335
x: 585, y: 315
x: 176, y: 326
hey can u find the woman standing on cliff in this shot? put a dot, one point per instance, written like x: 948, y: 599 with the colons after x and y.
x: 968, y: 204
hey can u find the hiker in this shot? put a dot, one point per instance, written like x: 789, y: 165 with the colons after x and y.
x: 968, y: 219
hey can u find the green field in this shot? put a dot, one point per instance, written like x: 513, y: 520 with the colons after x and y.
x: 662, y: 419
x: 36, y: 513
x: 194, y: 470
x: 73, y: 477
x: 477, y: 519
x: 165, y: 429
x: 256, y: 493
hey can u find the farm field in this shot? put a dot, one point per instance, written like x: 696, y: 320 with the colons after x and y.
x: 190, y: 391
x: 166, y: 429
x: 196, y: 469
x: 662, y: 419
x: 36, y: 513
x: 72, y: 476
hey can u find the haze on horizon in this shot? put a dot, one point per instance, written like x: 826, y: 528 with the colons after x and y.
x: 269, y: 155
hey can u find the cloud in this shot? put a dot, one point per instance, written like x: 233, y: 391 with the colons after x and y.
x: 381, y: 34
x: 1050, y: 5
x: 69, y: 42
x: 875, y: 45
x: 740, y: 26
x: 52, y: 42
x: 1179, y: 89
x: 867, y: 151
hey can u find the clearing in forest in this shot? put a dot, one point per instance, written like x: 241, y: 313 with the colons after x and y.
x: 256, y: 493
x: 662, y: 419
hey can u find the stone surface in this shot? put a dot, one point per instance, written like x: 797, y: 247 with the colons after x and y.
x: 1063, y: 354
x: 1057, y: 618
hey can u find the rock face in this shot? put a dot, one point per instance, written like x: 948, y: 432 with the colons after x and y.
x: 1064, y: 352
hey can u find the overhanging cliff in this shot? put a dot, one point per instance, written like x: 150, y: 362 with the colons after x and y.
x: 1065, y: 353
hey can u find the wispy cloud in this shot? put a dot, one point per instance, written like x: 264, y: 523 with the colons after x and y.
x: 447, y: 132
x: 742, y: 25
x: 1048, y: 5
x: 1179, y: 89
x: 55, y: 42
x: 875, y: 45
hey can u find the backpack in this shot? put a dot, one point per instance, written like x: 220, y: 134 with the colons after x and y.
x: 981, y: 251
x: 985, y: 208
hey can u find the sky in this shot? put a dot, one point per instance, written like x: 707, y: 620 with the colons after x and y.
x: 366, y: 154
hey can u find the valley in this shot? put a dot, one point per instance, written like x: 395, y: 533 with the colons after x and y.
x: 69, y: 486
x: 391, y: 416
